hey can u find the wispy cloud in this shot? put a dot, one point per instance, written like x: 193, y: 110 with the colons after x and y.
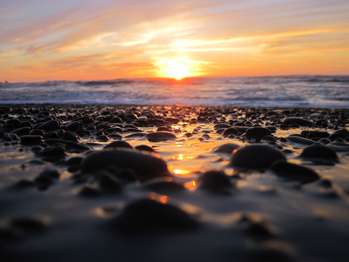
x: 85, y: 39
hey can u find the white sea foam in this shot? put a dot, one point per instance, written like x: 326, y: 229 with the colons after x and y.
x: 307, y: 91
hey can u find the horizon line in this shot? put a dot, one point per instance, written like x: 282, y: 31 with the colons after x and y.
x: 175, y: 80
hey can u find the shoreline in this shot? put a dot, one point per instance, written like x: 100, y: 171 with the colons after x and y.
x: 170, y: 183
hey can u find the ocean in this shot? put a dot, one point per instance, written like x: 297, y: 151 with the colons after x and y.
x: 287, y: 91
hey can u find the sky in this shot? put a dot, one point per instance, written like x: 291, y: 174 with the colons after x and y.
x: 109, y: 39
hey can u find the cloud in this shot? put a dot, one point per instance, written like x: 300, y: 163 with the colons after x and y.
x: 114, y: 35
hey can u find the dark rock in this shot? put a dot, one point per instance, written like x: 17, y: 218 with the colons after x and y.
x: 230, y: 132
x: 102, y: 138
x: 145, y: 148
x: 28, y: 224
x: 320, y: 154
x: 226, y: 148
x: 160, y: 136
x: 256, y: 227
x: 315, y: 134
x: 294, y: 172
x: 23, y: 184
x: 88, y: 191
x: 164, y: 186
x: 118, y: 144
x: 51, y: 125
x: 73, y: 147
x: 257, y: 133
x: 296, y: 122
x: 259, y: 231
x: 109, y: 184
x: 296, y: 139
x: 257, y: 156
x: 342, y: 133
x: 22, y: 131
x: 53, y: 153
x: 74, y: 161
x: 30, y: 140
x: 152, y: 216
x: 144, y: 165
x: 215, y: 182
x: 52, y: 173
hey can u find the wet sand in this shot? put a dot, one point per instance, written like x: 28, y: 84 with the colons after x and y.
x: 173, y: 183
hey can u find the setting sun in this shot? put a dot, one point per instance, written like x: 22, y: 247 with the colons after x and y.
x: 176, y: 68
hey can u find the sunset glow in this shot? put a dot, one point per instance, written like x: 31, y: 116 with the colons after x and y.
x: 177, y: 68
x: 78, y: 40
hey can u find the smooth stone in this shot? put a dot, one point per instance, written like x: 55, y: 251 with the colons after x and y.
x: 74, y: 161
x: 314, y: 134
x: 294, y: 172
x: 230, y: 132
x: 118, y: 144
x: 320, y: 154
x: 216, y: 182
x: 29, y: 140
x: 160, y: 136
x: 164, y: 186
x: 52, y: 173
x: 256, y: 157
x: 22, y: 131
x: 296, y: 122
x: 258, y: 231
x: 152, y: 216
x: 43, y: 182
x: 89, y: 192
x: 108, y: 184
x: 53, y: 153
x: 257, y: 133
x: 50, y: 125
x: 23, y: 184
x: 339, y: 147
x: 145, y: 166
x: 145, y: 148
x: 300, y: 140
x: 136, y: 135
x: 28, y: 224
x: 226, y: 148
x: 342, y: 133
x: 73, y: 147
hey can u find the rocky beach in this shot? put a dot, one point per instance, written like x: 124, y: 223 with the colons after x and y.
x: 173, y: 183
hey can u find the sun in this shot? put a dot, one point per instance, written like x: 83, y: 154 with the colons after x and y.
x: 177, y: 68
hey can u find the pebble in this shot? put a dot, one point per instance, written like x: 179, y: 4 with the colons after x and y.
x: 160, y: 136
x: 300, y: 140
x: 164, y: 186
x: 215, y: 182
x: 152, y: 216
x: 226, y: 148
x: 144, y: 165
x: 28, y: 224
x: 256, y: 157
x: 294, y: 172
x: 30, y: 140
x: 319, y: 154
x: 230, y: 132
x: 53, y: 153
x: 257, y: 133
x: 342, y: 133
x: 118, y: 144
x: 145, y: 148
x: 109, y: 184
x: 296, y: 122
x: 51, y: 125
